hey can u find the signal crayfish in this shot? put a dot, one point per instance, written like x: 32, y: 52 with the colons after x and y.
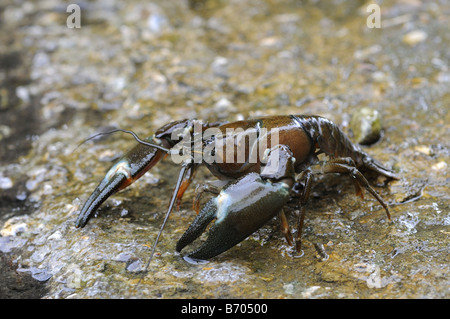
x: 259, y: 161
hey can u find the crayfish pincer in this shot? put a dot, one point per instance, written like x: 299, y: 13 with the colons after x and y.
x: 259, y: 162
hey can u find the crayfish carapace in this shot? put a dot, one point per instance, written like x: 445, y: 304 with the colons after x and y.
x: 257, y: 186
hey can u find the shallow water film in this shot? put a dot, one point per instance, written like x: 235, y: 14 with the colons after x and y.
x: 69, y: 73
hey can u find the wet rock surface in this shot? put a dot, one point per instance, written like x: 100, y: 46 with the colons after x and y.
x: 139, y: 64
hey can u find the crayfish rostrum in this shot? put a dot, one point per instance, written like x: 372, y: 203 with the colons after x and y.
x: 259, y: 162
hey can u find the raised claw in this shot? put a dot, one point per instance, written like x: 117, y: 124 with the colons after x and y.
x: 126, y: 170
x: 241, y: 208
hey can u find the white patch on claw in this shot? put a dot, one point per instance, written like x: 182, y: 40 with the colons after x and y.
x: 222, y: 202
x: 122, y: 167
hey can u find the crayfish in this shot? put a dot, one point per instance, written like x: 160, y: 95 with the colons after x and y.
x: 259, y: 162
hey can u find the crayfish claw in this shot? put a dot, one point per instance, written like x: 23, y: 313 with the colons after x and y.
x: 198, y: 226
x: 240, y: 209
x: 105, y: 189
x: 123, y: 173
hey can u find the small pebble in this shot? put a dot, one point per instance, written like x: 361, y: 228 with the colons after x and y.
x: 5, y: 182
x: 366, y: 126
x: 439, y: 166
x: 414, y: 37
x: 424, y: 149
x: 5, y: 131
x: 223, y: 108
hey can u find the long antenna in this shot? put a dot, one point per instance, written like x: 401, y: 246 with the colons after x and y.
x: 125, y: 131
x: 172, y: 202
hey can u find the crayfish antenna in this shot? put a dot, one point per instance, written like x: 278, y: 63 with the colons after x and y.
x: 181, y: 175
x: 137, y: 138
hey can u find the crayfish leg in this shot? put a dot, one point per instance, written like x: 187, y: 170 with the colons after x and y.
x: 307, y: 176
x: 285, y: 228
x: 200, y: 190
x: 187, y: 180
x: 343, y: 165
